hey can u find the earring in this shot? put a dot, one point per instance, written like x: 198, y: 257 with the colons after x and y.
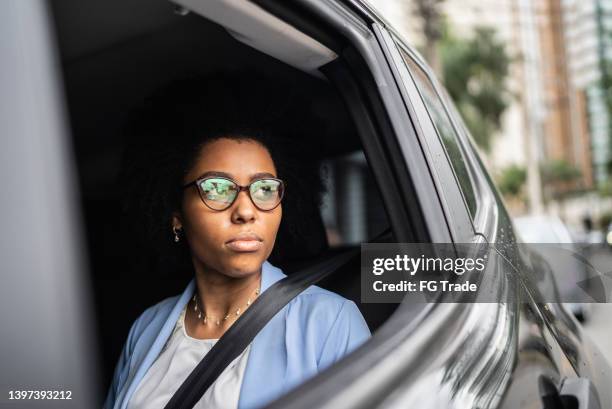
x: 176, y: 234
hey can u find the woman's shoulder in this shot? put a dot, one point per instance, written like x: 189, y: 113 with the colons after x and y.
x: 314, y: 299
x: 315, y: 294
x: 325, y: 307
x: 329, y: 321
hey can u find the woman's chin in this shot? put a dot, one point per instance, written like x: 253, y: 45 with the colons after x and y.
x: 244, y: 265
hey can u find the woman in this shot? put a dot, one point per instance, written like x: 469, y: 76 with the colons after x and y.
x: 218, y: 190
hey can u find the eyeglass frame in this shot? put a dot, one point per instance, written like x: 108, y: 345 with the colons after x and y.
x: 240, y: 189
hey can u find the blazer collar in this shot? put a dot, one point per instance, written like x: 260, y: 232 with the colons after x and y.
x: 270, y: 275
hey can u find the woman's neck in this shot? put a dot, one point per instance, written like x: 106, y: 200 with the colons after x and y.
x: 220, y: 295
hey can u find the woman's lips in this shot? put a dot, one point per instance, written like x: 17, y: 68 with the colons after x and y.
x: 245, y: 245
x: 245, y: 242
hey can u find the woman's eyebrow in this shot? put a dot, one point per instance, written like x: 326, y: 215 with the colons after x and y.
x: 254, y: 176
x: 261, y: 175
x: 215, y: 173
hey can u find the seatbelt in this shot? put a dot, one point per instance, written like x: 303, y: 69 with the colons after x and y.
x: 235, y: 340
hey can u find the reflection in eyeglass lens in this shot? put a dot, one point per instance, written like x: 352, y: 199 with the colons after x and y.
x: 219, y: 190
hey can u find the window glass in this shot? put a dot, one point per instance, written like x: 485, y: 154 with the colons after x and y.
x: 352, y: 208
x: 445, y: 129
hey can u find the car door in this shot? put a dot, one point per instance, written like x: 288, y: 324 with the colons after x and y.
x: 543, y: 354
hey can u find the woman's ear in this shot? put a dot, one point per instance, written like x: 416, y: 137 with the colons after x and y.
x: 177, y: 221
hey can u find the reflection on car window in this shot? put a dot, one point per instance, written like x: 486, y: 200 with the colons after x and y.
x: 445, y: 130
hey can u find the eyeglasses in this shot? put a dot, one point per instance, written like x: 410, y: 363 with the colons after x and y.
x: 219, y: 193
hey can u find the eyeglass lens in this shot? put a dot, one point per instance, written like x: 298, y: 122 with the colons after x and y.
x: 220, y: 193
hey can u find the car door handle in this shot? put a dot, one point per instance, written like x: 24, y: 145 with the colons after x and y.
x: 575, y: 393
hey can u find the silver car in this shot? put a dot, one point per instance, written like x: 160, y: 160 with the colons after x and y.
x: 399, y: 158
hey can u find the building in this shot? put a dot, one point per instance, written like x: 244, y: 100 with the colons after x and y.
x: 588, y: 35
x: 566, y: 135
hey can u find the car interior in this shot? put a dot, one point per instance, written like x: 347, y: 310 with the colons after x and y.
x: 114, y: 54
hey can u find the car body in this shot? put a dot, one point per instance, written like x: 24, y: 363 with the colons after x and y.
x: 433, y: 184
x: 555, y: 243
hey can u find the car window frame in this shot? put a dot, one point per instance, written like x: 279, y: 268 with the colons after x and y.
x: 435, y: 87
x: 485, y: 218
x: 460, y: 221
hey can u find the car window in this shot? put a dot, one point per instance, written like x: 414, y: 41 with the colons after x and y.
x: 352, y: 209
x: 445, y: 129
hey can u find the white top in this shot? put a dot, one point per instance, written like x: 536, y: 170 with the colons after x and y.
x: 175, y: 362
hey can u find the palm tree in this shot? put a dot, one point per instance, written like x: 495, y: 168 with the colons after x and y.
x: 475, y: 73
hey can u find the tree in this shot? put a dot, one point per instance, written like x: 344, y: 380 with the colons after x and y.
x: 558, y: 177
x: 511, y: 180
x: 559, y: 171
x: 605, y: 188
x: 475, y: 72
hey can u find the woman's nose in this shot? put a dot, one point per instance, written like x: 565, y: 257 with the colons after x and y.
x: 243, y: 210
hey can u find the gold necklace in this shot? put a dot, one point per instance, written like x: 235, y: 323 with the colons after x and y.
x: 205, y: 318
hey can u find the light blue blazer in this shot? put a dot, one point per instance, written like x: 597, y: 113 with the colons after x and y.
x: 314, y: 330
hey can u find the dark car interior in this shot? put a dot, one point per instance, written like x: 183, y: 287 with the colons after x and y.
x: 113, y: 55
